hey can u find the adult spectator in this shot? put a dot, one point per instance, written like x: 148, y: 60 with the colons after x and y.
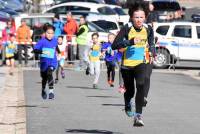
x: 153, y: 16
x: 82, y: 42
x: 71, y: 29
x: 23, y: 39
x: 57, y: 23
x: 9, y: 30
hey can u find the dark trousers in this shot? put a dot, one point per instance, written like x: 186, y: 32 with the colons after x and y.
x: 47, y: 76
x: 147, y: 79
x: 110, y: 71
x: 130, y: 76
x: 20, y: 48
x: 71, y: 53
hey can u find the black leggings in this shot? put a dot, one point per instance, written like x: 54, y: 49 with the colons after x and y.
x: 147, y: 79
x: 110, y: 70
x: 129, y: 75
x: 47, y: 76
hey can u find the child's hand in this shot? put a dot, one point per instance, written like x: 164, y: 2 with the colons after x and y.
x: 137, y: 40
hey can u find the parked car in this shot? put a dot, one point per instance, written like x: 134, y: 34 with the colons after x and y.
x: 92, y: 1
x: 168, y: 9
x: 82, y: 6
x: 176, y: 41
x: 195, y: 17
x: 123, y: 16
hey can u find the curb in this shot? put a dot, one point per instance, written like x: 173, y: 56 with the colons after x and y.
x: 13, y: 115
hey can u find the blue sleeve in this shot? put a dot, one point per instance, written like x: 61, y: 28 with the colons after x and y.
x: 38, y: 46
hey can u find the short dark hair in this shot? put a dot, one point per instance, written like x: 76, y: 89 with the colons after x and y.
x: 60, y: 36
x: 57, y: 16
x: 135, y: 6
x: 95, y: 34
x: 48, y: 26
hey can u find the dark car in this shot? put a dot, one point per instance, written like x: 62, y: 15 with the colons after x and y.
x: 195, y: 17
x: 167, y: 9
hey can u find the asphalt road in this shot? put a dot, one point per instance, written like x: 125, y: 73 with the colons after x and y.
x: 173, y: 106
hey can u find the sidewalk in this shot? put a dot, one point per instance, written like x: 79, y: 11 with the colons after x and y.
x: 12, y: 106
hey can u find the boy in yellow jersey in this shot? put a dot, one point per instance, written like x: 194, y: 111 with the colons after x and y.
x: 135, y: 39
x: 94, y: 56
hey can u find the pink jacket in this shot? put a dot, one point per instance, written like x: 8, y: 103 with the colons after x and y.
x: 5, y: 35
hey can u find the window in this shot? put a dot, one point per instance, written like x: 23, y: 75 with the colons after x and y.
x: 198, y: 32
x: 94, y: 28
x: 77, y: 8
x: 107, y: 25
x: 106, y: 11
x: 182, y: 31
x: 119, y: 11
x: 162, y: 30
x: 58, y: 10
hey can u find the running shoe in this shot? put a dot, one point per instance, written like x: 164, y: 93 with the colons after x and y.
x: 51, y: 95
x: 87, y: 71
x: 128, y: 110
x: 63, y: 74
x: 121, y: 89
x: 138, y: 121
x: 44, y: 94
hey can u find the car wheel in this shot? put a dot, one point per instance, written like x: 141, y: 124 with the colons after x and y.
x: 29, y: 53
x: 162, y: 59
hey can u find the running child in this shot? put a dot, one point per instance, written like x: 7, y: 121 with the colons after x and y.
x: 10, y: 49
x: 110, y: 59
x: 134, y: 38
x: 47, y: 47
x: 94, y: 56
x: 61, y: 58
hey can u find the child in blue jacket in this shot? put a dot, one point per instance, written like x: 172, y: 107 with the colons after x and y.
x: 110, y: 59
x: 47, y: 48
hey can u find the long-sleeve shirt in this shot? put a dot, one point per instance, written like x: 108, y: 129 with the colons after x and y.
x: 133, y: 52
x: 23, y: 34
x: 47, y: 49
x: 70, y: 28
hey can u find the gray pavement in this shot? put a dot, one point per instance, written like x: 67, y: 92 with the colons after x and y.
x: 77, y: 108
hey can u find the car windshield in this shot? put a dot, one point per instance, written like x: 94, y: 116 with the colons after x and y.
x: 107, y: 25
x: 94, y: 28
x: 166, y: 6
x: 106, y: 11
x: 119, y: 11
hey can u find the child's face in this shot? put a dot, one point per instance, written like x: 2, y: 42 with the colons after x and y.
x: 49, y: 34
x: 60, y: 40
x: 12, y: 39
x: 95, y: 39
x: 111, y: 38
x: 138, y: 18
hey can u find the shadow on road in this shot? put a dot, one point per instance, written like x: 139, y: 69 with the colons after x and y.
x: 81, y: 87
x: 102, y: 96
x: 94, y: 131
x: 30, y: 106
x: 115, y: 105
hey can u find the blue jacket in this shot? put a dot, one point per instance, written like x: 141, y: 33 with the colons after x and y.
x: 107, y: 48
x: 58, y: 28
x: 47, y: 60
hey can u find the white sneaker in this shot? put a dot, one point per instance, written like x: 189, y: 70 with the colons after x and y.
x: 138, y: 121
